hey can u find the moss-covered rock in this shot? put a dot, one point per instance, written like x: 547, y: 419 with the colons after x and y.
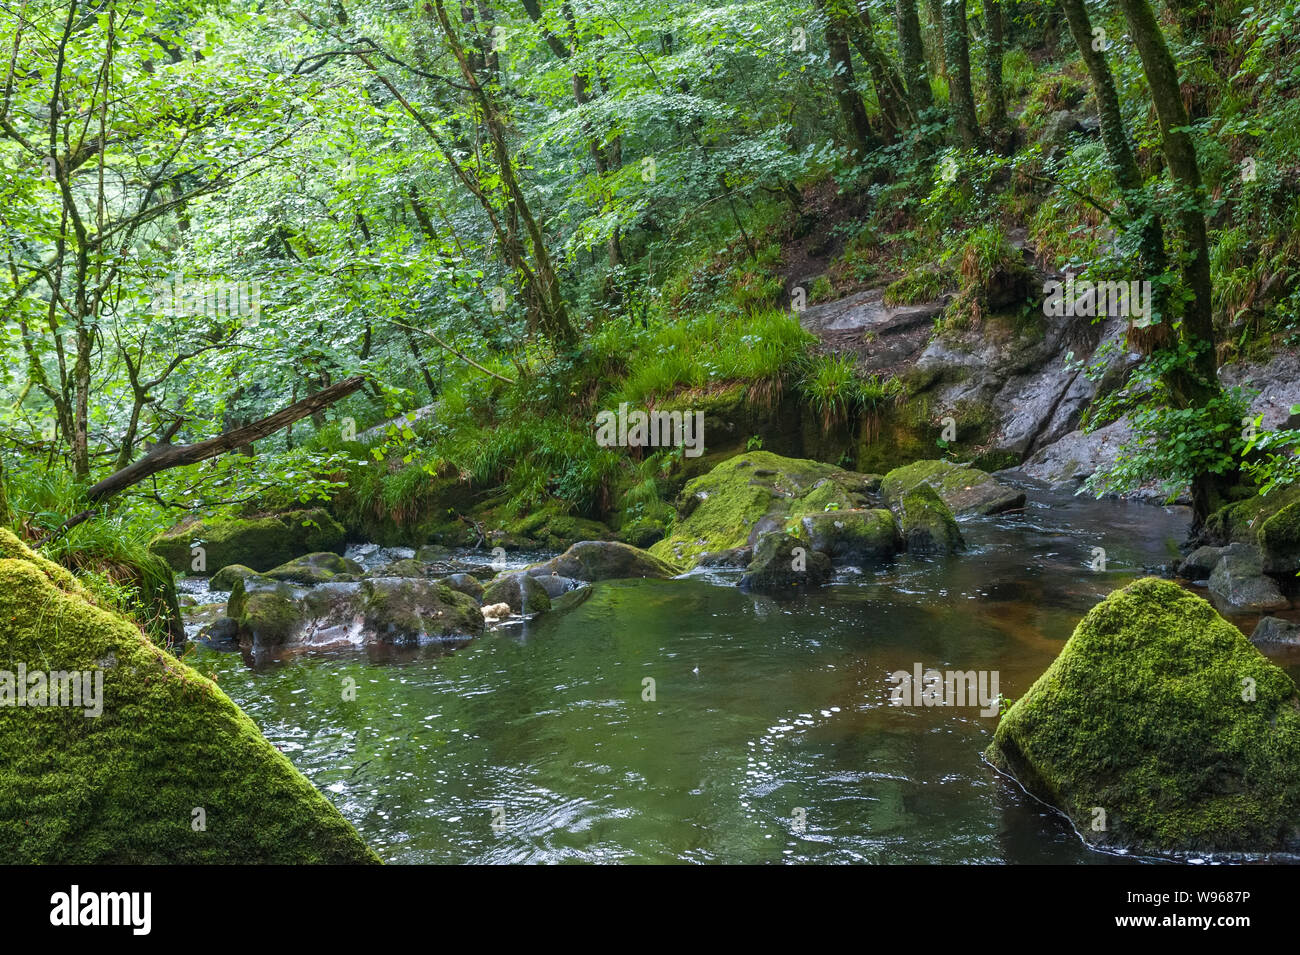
x: 1271, y: 523
x: 406, y: 567
x: 466, y: 584
x: 520, y: 591
x: 123, y: 787
x: 257, y: 542
x: 402, y: 610
x: 965, y: 490
x: 784, y: 565
x: 268, y: 612
x: 316, y: 568
x: 856, y: 536
x: 1159, y: 713
x: 228, y: 576
x: 928, y: 527
x: 604, y: 560
x: 752, y: 494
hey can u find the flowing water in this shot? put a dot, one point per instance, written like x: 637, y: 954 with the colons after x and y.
x: 770, y: 736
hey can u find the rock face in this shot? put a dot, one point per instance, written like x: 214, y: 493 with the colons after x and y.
x: 520, y: 591
x: 784, y: 565
x: 854, y: 537
x: 928, y: 527
x: 1275, y: 630
x: 466, y: 584
x: 1159, y: 713
x: 965, y: 490
x: 604, y: 560
x: 1238, y: 585
x: 260, y: 543
x: 316, y: 568
x: 750, y: 495
x: 120, y: 787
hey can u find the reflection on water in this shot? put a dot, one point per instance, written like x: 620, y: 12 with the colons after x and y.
x: 768, y: 736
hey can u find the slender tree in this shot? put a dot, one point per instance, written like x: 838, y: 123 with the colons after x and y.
x: 912, y: 54
x: 961, y: 97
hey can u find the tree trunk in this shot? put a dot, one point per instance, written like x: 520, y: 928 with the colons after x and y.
x: 1196, y: 385
x: 913, y: 55
x: 997, y: 98
x: 961, y: 98
x: 853, y: 112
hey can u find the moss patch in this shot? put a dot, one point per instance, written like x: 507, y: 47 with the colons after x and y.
x: 1142, y: 715
x: 122, y: 787
x: 257, y: 542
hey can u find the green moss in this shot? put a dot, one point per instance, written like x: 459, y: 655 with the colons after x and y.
x: 721, y: 510
x: 1142, y: 715
x: 927, y: 525
x: 122, y: 787
x: 257, y: 542
x: 1271, y: 522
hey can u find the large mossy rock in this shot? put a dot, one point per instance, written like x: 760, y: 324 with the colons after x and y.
x: 964, y: 489
x: 928, y: 527
x: 123, y: 787
x: 753, y: 494
x: 405, y: 610
x: 317, y: 568
x: 1271, y: 523
x: 1159, y: 713
x: 604, y: 560
x: 257, y: 542
x: 856, y: 536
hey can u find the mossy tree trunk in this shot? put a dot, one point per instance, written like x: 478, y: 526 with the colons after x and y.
x: 884, y: 78
x: 6, y: 515
x: 1119, y: 148
x: 1192, y: 384
x: 961, y: 97
x: 997, y: 97
x: 843, y: 81
x: 913, y: 55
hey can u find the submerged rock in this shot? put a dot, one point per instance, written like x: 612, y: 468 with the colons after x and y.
x: 1159, y: 727
x: 257, y: 542
x: 121, y: 787
x: 1238, y: 584
x: 784, y: 565
x: 854, y: 536
x: 1275, y: 630
x: 520, y: 591
x: 604, y: 560
x: 964, y: 489
x: 928, y: 527
x: 316, y: 568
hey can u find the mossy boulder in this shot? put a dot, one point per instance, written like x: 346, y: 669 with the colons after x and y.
x: 928, y: 527
x: 257, y: 542
x: 964, y: 489
x: 854, y: 536
x: 1159, y: 713
x: 750, y: 495
x: 228, y: 576
x: 604, y: 560
x: 268, y: 612
x: 785, y: 565
x: 123, y: 787
x: 316, y: 568
x: 520, y: 591
x: 402, y: 610
x: 466, y: 584
x: 1270, y: 522
x: 406, y: 567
